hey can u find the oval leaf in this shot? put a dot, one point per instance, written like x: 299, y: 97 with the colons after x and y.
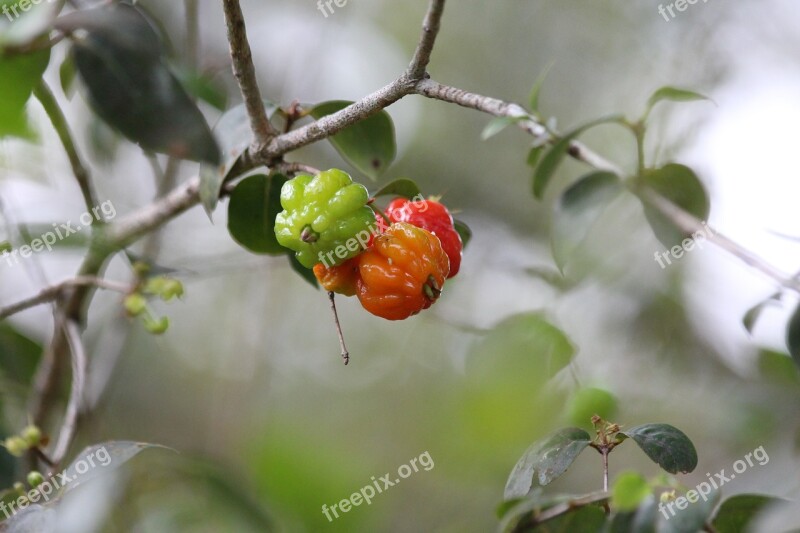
x: 578, y: 210
x: 463, y: 231
x: 737, y: 512
x: 253, y: 205
x: 550, y: 162
x: 793, y: 335
x: 692, y: 518
x: 234, y: 136
x: 641, y: 520
x: 533, y: 99
x: 666, y: 445
x: 95, y: 460
x: 19, y: 74
x: 305, y: 273
x: 369, y: 145
x: 680, y: 185
x: 754, y: 313
x: 120, y: 59
x: 546, y: 460
x: 629, y: 490
x: 673, y: 94
x: 498, y: 124
x: 405, y: 187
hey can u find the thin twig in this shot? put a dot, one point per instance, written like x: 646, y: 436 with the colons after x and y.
x: 75, y: 405
x: 689, y: 224
x: 430, y: 29
x: 52, y: 293
x: 345, y: 353
x: 244, y: 71
x: 59, y: 121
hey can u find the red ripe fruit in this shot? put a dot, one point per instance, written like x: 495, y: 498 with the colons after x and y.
x: 434, y: 217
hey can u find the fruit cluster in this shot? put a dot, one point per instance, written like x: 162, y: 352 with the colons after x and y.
x: 396, y: 262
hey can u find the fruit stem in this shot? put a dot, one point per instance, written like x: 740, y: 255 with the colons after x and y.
x: 345, y: 353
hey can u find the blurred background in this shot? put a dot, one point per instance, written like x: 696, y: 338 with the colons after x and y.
x: 247, y: 384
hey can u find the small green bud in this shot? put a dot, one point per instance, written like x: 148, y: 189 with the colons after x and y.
x: 19, y: 488
x: 32, y: 435
x: 16, y: 446
x: 172, y: 289
x: 35, y: 479
x: 156, y: 326
x: 135, y: 304
x: 668, y: 496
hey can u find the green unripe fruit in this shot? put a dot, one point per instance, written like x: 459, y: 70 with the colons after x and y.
x: 325, y: 218
x: 31, y: 435
x: 589, y: 402
x: 35, y: 479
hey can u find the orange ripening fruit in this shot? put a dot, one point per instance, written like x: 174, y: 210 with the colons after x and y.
x: 402, y: 273
x: 340, y: 279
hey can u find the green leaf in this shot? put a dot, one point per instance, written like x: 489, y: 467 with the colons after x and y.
x: 498, y: 124
x: 673, y: 94
x: 253, y: 206
x: 369, y: 145
x: 19, y: 74
x: 120, y: 59
x: 66, y: 75
x: 583, y: 520
x: 234, y: 136
x: 537, y: 88
x: 203, y: 87
x: 752, y: 315
x: 641, y: 520
x: 525, y: 350
x: 630, y: 489
x: 99, y: 459
x: 19, y: 355
x: 463, y: 231
x: 534, y: 155
x: 588, y: 402
x: 680, y: 185
x: 522, y: 513
x: 305, y: 273
x: 693, y: 517
x: 778, y: 368
x: 793, y: 335
x: 405, y: 187
x: 736, y: 513
x: 665, y: 445
x: 544, y: 172
x: 546, y: 460
x: 578, y: 210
